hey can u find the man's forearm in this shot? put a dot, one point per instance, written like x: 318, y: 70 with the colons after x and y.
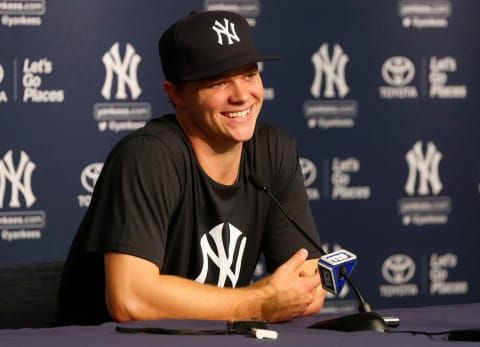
x: 135, y: 291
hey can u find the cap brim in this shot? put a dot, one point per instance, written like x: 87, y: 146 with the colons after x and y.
x: 229, y: 64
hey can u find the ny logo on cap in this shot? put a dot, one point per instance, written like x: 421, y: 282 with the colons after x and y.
x: 228, y: 30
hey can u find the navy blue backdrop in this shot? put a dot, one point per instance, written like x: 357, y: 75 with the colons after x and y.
x: 383, y: 98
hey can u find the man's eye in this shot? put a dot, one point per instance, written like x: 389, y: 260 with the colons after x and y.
x: 218, y: 84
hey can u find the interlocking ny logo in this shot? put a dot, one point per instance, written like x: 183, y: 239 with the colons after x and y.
x: 125, y: 70
x: 223, y: 258
x: 334, y: 70
x: 427, y: 168
x: 228, y: 29
x: 20, y: 179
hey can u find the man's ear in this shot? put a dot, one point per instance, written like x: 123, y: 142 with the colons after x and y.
x: 173, y: 92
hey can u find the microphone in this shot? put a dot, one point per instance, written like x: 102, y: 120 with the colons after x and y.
x: 335, y: 269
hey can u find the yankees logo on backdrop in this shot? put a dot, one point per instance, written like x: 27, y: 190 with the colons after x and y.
x: 20, y: 179
x: 125, y: 69
x: 225, y: 252
x: 425, y: 167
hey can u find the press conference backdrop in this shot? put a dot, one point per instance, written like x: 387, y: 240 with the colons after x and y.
x: 383, y: 97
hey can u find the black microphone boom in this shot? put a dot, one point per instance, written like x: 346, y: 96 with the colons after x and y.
x: 256, y: 180
x: 365, y: 319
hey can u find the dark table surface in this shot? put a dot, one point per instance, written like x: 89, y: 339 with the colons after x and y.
x: 430, y: 319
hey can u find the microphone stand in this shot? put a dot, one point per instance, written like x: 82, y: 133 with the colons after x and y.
x: 365, y: 319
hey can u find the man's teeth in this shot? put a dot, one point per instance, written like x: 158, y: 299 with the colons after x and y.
x: 240, y: 114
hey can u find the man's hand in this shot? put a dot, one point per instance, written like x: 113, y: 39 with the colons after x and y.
x: 293, y: 289
x: 310, y: 268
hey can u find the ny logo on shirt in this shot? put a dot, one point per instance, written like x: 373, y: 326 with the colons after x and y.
x: 226, y: 253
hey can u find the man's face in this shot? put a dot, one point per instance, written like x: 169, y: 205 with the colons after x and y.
x: 222, y: 110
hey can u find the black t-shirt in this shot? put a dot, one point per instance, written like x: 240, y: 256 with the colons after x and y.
x: 154, y: 201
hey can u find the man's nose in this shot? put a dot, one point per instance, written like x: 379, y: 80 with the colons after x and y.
x: 239, y: 92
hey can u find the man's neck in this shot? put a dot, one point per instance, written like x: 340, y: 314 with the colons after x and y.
x: 221, y: 165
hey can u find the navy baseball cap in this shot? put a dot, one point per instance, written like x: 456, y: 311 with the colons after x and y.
x: 206, y: 44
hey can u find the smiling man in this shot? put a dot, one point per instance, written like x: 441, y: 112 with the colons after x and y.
x: 174, y: 228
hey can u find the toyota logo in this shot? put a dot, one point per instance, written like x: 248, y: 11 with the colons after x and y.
x: 398, y: 71
x: 398, y: 269
x: 90, y: 175
x: 309, y: 171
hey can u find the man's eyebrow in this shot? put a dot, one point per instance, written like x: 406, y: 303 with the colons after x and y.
x: 238, y: 71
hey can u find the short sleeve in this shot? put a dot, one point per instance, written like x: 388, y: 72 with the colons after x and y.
x: 137, y: 193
